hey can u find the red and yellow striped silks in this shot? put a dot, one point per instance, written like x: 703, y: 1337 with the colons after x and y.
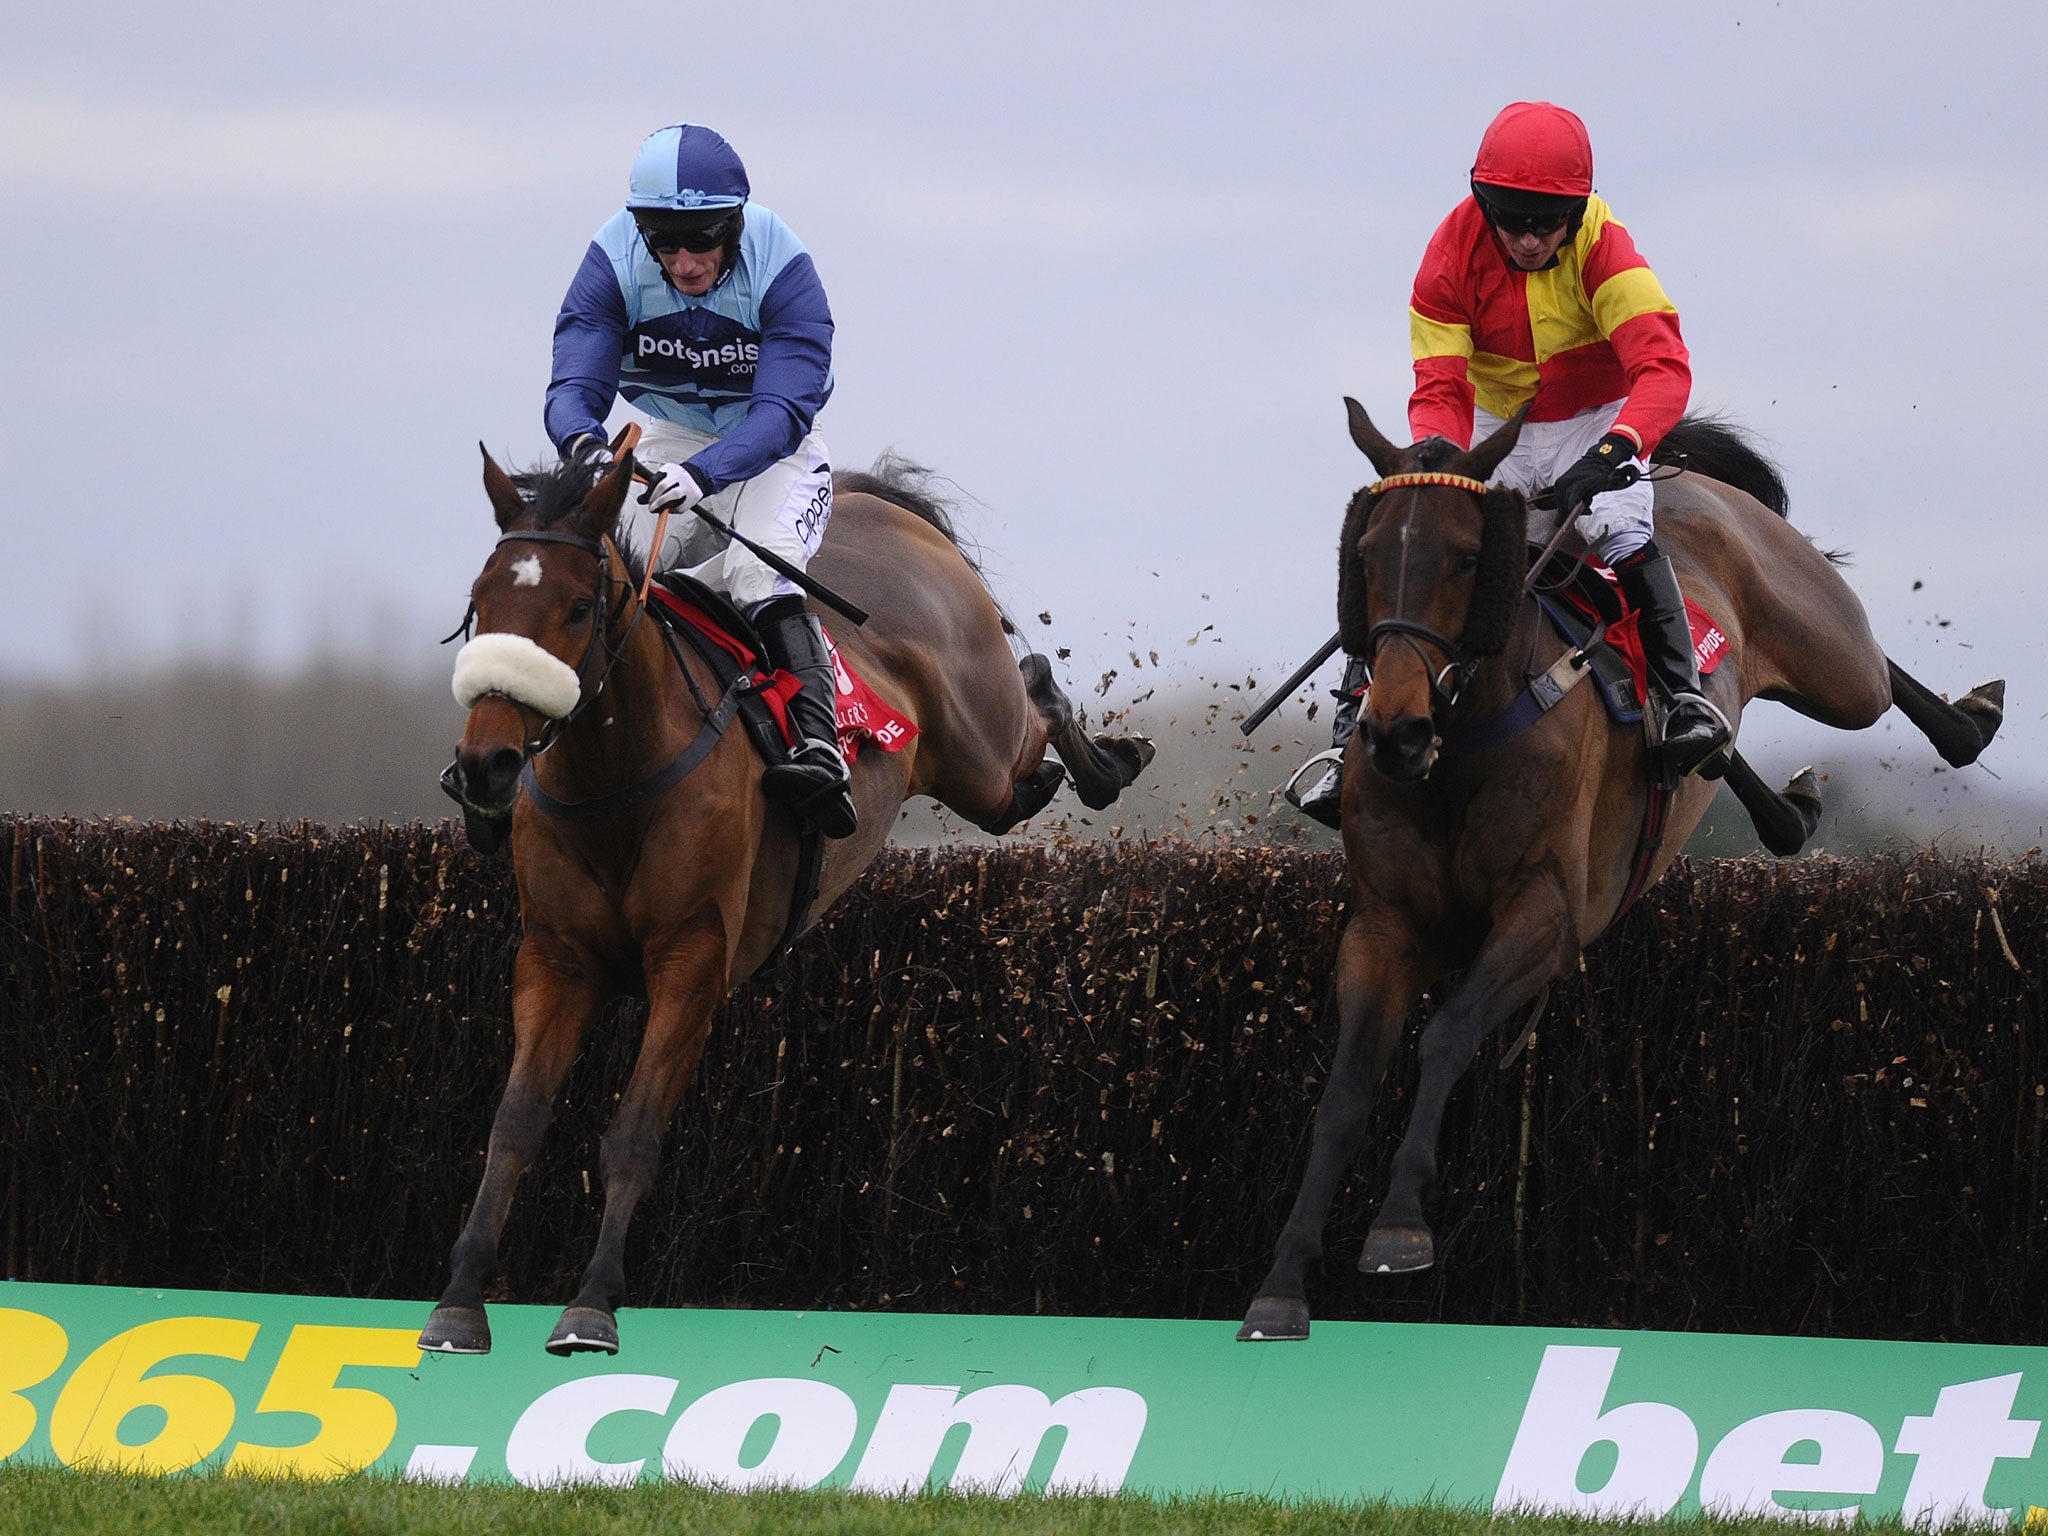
x: 1593, y: 328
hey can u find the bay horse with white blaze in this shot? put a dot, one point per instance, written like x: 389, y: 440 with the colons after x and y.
x: 686, y: 887
x: 1504, y: 861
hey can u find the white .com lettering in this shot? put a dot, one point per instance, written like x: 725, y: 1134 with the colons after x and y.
x: 816, y: 1425
x: 733, y: 353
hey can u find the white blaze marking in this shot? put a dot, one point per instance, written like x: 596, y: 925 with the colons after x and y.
x: 526, y: 573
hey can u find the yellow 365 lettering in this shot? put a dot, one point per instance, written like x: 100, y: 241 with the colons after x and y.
x: 356, y: 1424
x: 111, y: 1383
x: 31, y: 1349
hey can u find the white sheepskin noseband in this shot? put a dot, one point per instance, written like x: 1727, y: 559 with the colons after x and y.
x: 514, y: 666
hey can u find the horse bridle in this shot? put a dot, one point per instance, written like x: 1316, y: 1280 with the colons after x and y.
x: 604, y: 615
x: 1457, y: 670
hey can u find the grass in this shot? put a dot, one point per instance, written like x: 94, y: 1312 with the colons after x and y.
x: 48, y: 1501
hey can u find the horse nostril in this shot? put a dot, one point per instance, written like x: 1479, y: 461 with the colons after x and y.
x: 497, y: 775
x: 1402, y: 750
x: 489, y: 780
x: 1412, y: 736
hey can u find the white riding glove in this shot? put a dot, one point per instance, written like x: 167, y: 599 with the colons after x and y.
x: 673, y: 488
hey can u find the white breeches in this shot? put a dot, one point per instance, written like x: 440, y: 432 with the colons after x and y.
x: 784, y: 509
x: 1616, y: 522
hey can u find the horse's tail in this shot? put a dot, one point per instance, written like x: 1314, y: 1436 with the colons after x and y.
x: 1715, y: 447
x: 911, y: 486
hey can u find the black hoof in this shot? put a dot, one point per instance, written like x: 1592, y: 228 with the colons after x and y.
x: 584, y: 1330
x: 1271, y: 1319
x: 1396, y: 1251
x: 1985, y: 704
x: 457, y: 1331
x: 1134, y: 753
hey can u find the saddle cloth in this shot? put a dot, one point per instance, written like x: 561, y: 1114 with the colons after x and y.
x: 862, y: 714
x: 1604, y: 603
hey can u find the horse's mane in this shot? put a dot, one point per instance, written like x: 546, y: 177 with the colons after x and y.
x: 1715, y: 447
x: 555, y: 492
x: 913, y: 487
x: 1496, y: 585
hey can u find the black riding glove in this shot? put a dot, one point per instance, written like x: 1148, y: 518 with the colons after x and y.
x: 592, y: 451
x: 1605, y: 467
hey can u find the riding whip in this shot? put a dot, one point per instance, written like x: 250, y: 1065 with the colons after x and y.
x: 767, y: 557
x: 1307, y: 669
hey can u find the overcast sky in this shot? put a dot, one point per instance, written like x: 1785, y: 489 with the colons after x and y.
x: 268, y: 273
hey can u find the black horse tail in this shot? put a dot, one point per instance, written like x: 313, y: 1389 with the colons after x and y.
x: 1715, y: 447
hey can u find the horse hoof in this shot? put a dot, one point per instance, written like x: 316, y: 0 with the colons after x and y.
x: 584, y: 1330
x: 1396, y: 1251
x: 457, y: 1331
x: 1985, y: 704
x: 1271, y: 1319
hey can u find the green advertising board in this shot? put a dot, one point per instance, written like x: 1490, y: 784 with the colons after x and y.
x: 1585, y: 1420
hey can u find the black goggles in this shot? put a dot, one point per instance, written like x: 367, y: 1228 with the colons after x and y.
x: 694, y: 238
x: 1540, y: 221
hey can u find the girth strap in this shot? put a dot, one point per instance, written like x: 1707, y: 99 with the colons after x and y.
x: 1544, y: 692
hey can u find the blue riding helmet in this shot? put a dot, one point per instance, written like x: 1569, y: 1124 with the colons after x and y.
x: 687, y: 168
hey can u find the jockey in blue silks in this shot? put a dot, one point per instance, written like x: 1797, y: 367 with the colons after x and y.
x: 705, y: 311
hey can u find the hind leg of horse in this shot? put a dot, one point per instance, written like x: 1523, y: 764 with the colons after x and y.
x: 553, y: 1001
x: 1377, y: 981
x: 1959, y: 731
x: 683, y: 987
x: 1809, y: 646
x: 1524, y: 950
x: 1102, y: 766
x: 1785, y: 819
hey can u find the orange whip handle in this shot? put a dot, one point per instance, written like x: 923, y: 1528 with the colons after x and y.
x: 622, y: 445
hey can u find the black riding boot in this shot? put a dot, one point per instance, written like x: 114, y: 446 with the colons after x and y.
x: 1694, y: 731
x: 1317, y: 788
x: 814, y: 782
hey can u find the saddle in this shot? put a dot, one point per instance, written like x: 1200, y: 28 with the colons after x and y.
x: 692, y: 614
x: 1583, y: 601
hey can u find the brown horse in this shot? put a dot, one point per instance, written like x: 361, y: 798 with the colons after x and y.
x: 1505, y: 862
x: 679, y: 894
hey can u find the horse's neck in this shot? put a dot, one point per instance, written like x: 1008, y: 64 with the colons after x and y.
x: 1498, y: 680
x: 636, y: 725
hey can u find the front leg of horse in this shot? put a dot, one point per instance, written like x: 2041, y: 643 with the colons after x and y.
x: 1530, y: 941
x: 553, y: 1001
x: 1376, y: 983
x: 687, y: 983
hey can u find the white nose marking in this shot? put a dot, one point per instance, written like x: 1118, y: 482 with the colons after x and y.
x: 526, y: 573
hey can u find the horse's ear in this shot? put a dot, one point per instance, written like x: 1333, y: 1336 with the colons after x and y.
x: 1483, y: 460
x: 506, y: 501
x: 1384, y: 455
x: 602, y: 503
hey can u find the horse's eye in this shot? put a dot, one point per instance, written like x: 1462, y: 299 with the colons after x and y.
x: 579, y: 611
x: 1469, y: 561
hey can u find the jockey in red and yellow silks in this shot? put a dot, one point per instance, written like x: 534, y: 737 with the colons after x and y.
x: 1532, y: 294
x: 1592, y: 327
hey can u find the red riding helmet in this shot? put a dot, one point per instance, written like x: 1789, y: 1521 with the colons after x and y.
x: 1534, y: 146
